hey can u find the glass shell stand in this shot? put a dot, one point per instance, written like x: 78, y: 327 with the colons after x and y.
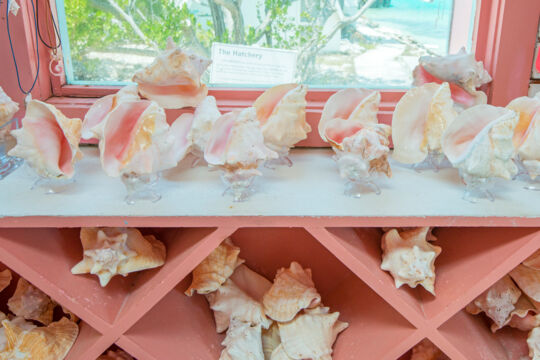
x: 141, y: 187
x: 434, y: 161
x: 282, y: 160
x: 8, y: 164
x: 48, y: 185
x: 528, y: 174
x: 477, y: 188
x: 239, y: 182
x: 355, y: 170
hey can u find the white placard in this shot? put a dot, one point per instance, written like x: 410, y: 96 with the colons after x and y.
x: 239, y: 64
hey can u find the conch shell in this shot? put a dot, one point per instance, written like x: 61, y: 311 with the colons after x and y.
x: 243, y: 342
x: 102, y: 107
x: 281, y: 110
x: 115, y: 355
x: 206, y: 114
x: 420, y: 118
x: 292, y: 290
x: 5, y: 279
x: 533, y: 261
x: 118, y: 251
x: 528, y: 280
x: 31, y: 303
x: 426, y: 350
x: 461, y: 70
x: 270, y: 340
x: 250, y: 282
x: 213, y: 271
x: 527, y: 132
x: 135, y: 138
x: 8, y: 107
x: 524, y: 317
x: 311, y: 334
x: 497, y: 302
x: 48, y: 141
x: 173, y: 80
x: 229, y: 303
x: 236, y: 141
x: 479, y: 142
x: 410, y: 258
x: 533, y: 341
x: 51, y: 342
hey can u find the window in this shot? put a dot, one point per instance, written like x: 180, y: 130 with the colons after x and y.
x: 323, y: 43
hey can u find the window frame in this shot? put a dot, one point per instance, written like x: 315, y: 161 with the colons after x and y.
x: 502, y: 28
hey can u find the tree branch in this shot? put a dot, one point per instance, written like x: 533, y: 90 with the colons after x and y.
x: 217, y: 19
x: 234, y: 7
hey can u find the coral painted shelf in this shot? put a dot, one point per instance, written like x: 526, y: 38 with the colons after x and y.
x: 311, y: 190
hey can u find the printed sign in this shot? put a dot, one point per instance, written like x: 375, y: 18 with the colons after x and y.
x: 239, y: 64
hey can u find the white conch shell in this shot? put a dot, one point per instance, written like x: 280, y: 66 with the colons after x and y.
x: 353, y: 105
x: 533, y: 342
x: 31, y: 303
x: 243, y: 342
x: 229, y: 303
x: 213, y: 271
x: 48, y: 141
x: 5, y: 279
x: 173, y: 80
x: 136, y: 138
x: 279, y: 354
x: 270, y: 340
x: 527, y: 132
x: 115, y: 355
x: 281, y: 110
x: 51, y: 342
x: 311, y: 335
x: 420, y: 118
x: 118, y: 251
x: 528, y: 280
x: 206, y: 114
x: 102, y: 107
x: 8, y: 107
x: 410, y: 258
x: 252, y: 283
x: 292, y: 290
x: 524, y: 317
x: 533, y: 261
x: 426, y: 350
x: 497, y: 302
x: 236, y: 141
x: 461, y: 70
x: 479, y: 142
x: 13, y: 7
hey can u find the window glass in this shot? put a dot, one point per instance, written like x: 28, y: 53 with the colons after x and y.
x: 323, y: 43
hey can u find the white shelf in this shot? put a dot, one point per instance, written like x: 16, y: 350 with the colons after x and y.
x: 311, y: 188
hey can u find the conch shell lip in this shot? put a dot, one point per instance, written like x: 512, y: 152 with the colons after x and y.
x: 271, y: 98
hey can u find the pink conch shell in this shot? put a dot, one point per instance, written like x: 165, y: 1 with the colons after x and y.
x: 213, y: 271
x: 281, y: 110
x: 206, y: 114
x: 51, y: 342
x: 243, y: 342
x: 461, y: 70
x: 31, y: 303
x: 357, y: 106
x: 528, y: 280
x: 102, y: 107
x: 8, y: 107
x: 533, y: 341
x: 410, y: 258
x: 426, y: 350
x: 250, y: 282
x: 135, y: 138
x: 419, y: 120
x: 497, y: 302
x: 229, y: 302
x: 311, y: 335
x: 292, y: 291
x: 479, y: 142
x: 48, y: 141
x: 270, y: 340
x: 524, y: 317
x: 533, y: 261
x: 118, y: 251
x: 173, y: 80
x: 236, y: 141
x: 5, y: 279
x: 527, y: 132
x: 115, y: 355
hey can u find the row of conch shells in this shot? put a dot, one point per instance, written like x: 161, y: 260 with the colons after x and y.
x: 264, y: 320
x: 20, y: 337
x: 108, y: 252
x: 514, y: 301
x: 48, y: 141
x: 409, y: 257
x: 463, y: 73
